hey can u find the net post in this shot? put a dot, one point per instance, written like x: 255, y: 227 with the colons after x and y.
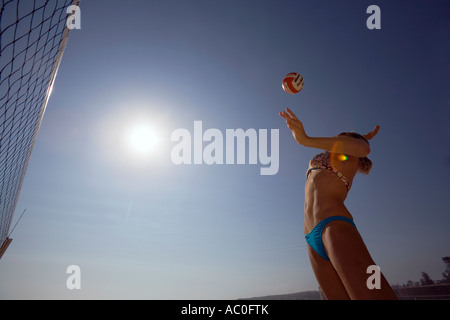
x: 4, y: 246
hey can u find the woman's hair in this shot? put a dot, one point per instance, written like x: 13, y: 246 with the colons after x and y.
x: 365, y: 164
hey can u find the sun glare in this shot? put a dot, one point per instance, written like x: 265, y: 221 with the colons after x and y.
x: 143, y: 139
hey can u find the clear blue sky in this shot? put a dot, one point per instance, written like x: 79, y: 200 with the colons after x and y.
x: 144, y: 228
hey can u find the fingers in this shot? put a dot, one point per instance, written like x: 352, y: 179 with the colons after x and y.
x: 293, y: 116
x: 284, y: 114
x: 288, y: 114
x: 377, y: 127
x: 286, y: 117
x: 372, y: 134
x: 291, y: 123
x: 289, y: 120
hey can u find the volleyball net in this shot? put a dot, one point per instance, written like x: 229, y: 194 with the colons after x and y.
x: 33, y: 36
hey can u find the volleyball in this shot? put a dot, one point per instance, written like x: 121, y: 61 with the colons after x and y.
x: 292, y: 83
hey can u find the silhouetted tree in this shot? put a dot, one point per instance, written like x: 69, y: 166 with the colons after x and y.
x: 426, y: 280
x: 446, y: 274
x: 410, y: 283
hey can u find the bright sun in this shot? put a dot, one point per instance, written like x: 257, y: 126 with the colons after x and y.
x: 143, y: 139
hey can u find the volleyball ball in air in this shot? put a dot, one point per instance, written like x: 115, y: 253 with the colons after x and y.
x: 292, y: 83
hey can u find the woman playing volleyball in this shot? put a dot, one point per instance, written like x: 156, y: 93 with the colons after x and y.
x: 338, y: 255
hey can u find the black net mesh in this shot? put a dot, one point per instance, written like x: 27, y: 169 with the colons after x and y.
x: 32, y: 39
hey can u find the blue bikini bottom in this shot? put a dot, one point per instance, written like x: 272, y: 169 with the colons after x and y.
x: 314, y: 238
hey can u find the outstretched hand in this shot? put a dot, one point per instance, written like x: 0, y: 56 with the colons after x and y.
x: 372, y: 134
x: 295, y: 125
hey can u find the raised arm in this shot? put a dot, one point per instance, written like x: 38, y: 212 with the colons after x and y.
x: 338, y: 144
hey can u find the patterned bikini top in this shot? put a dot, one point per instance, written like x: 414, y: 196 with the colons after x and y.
x: 322, y: 161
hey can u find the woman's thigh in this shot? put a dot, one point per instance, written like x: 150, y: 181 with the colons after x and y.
x: 350, y: 258
x: 327, y: 277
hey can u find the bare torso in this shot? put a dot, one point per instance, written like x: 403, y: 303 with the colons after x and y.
x: 325, y: 193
